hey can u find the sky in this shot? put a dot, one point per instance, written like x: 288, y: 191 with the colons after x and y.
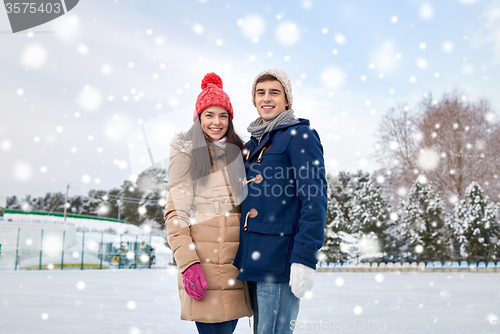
x: 78, y: 92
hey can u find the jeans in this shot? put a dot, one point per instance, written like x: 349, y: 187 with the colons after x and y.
x: 274, y: 307
x: 226, y: 327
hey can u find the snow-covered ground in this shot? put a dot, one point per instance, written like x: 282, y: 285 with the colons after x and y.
x: 146, y: 302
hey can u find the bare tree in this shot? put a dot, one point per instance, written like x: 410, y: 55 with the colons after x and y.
x: 397, y: 147
x: 453, y: 141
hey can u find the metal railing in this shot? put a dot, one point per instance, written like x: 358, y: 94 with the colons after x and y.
x: 37, y: 249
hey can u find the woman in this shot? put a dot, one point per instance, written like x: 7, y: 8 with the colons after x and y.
x: 205, y: 178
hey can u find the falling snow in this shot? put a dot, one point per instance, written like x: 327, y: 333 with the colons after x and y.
x: 22, y: 171
x: 253, y: 26
x: 90, y: 99
x: 287, y: 33
x: 34, y: 56
x: 333, y: 77
x: 426, y: 11
x: 340, y: 39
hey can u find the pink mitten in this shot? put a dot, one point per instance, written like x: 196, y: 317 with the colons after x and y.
x: 194, y: 281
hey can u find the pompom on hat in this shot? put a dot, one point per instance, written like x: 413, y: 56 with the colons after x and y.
x: 282, y: 77
x: 212, y: 95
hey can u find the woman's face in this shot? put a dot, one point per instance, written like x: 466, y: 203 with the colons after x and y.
x: 214, y: 122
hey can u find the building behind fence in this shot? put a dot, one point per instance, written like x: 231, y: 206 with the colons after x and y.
x: 35, y: 241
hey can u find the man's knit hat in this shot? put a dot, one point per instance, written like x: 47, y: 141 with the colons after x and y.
x: 282, y: 77
x: 212, y: 95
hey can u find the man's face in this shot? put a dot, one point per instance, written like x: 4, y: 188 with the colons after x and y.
x: 270, y: 99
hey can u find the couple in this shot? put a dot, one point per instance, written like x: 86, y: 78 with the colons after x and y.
x: 245, y: 221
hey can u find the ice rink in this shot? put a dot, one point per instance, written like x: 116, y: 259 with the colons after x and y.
x: 146, y: 302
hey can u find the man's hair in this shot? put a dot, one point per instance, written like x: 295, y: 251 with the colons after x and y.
x: 266, y: 77
x: 269, y: 77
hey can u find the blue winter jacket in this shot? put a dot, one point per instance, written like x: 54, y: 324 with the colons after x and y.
x: 283, y: 216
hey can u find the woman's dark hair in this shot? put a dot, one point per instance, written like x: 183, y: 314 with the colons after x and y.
x: 201, y: 160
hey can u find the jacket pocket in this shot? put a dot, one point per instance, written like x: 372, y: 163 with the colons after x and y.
x: 278, y: 146
x: 268, y: 247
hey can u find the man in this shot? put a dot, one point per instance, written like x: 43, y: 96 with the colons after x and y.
x: 283, y: 216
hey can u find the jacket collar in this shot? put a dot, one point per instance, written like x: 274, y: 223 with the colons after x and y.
x: 269, y: 135
x: 180, y: 143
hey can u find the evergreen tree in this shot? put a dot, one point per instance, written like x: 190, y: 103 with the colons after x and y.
x: 395, y: 238
x: 474, y: 224
x: 356, y: 219
x: 130, y: 197
x: 29, y: 204
x: 342, y: 188
x: 368, y: 216
x: 12, y: 203
x: 422, y: 225
x: 111, y: 203
x: 152, y: 179
x: 37, y: 204
x: 152, y: 203
x: 76, y: 204
x: 94, y: 202
x: 153, y: 184
x: 53, y: 202
x: 335, y: 225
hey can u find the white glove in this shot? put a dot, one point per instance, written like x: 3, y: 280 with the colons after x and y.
x: 301, y: 279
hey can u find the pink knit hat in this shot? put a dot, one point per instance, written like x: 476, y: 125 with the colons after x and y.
x: 212, y: 95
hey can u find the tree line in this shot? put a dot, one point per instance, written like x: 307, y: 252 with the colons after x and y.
x: 132, y: 202
x: 431, y: 199
x: 363, y: 226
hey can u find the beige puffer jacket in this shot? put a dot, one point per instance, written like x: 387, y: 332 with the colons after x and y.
x: 208, y: 238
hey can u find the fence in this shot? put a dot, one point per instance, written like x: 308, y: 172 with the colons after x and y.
x: 36, y: 249
x: 436, y: 266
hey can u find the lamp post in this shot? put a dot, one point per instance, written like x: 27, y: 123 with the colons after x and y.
x: 66, y: 202
x: 118, y: 203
